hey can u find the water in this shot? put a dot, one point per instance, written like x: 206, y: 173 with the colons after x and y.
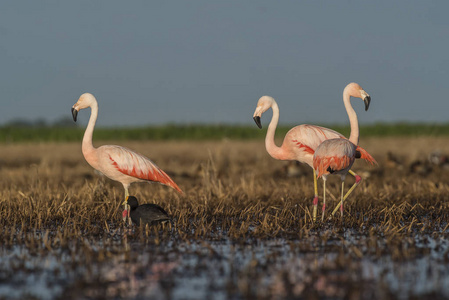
x: 344, y: 265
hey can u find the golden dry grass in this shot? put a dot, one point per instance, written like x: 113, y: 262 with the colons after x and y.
x: 233, y: 189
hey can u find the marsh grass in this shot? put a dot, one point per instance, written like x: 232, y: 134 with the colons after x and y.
x: 233, y: 187
x: 51, y: 201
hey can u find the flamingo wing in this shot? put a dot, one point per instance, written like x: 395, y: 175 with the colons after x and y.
x: 308, y: 137
x: 138, y: 166
x: 330, y: 164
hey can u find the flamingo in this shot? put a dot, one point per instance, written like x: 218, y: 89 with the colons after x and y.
x: 116, y: 162
x: 300, y: 142
x: 336, y: 156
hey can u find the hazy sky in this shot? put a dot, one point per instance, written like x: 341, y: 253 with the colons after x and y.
x: 155, y: 62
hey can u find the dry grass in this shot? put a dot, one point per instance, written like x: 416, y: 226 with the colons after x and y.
x: 232, y: 188
x: 52, y: 200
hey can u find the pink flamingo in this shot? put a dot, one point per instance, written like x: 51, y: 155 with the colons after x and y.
x: 300, y: 142
x: 117, y: 163
x: 336, y: 156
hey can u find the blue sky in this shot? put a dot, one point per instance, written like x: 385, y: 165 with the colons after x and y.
x: 209, y: 61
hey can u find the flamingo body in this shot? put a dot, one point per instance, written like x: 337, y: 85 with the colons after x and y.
x: 301, y: 141
x: 126, y: 166
x: 334, y: 156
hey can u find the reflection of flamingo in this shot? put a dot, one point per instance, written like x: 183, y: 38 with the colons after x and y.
x: 336, y: 156
x: 118, y: 163
x: 300, y: 142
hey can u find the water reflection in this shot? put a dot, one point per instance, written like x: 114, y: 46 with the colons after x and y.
x: 348, y: 266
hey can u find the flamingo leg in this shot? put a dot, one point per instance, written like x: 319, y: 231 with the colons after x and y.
x: 358, y: 179
x: 324, y: 199
x: 127, y: 207
x: 315, y: 198
x: 342, y: 197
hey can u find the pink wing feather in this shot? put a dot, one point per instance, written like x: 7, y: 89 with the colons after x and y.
x: 136, y: 165
x: 321, y: 164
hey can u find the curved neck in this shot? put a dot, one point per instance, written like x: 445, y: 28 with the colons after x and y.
x: 272, y: 149
x: 87, y: 145
x: 354, y: 137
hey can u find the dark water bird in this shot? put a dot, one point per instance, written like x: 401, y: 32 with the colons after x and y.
x: 393, y: 161
x: 150, y: 214
x: 439, y: 159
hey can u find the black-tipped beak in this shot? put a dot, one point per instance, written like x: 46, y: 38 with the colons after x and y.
x: 74, y: 114
x: 367, y: 101
x: 257, y: 120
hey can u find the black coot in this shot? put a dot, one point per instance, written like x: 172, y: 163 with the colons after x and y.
x: 146, y: 213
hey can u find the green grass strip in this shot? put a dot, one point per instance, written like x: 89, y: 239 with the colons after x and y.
x: 14, y: 134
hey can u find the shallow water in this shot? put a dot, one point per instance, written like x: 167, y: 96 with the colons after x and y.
x: 341, y: 266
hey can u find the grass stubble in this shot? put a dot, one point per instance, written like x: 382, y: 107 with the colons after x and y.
x: 243, y: 224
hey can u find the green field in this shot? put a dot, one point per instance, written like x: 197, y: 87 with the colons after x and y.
x: 12, y: 134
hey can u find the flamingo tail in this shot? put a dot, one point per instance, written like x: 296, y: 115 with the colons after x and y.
x: 165, y: 179
x: 366, y: 156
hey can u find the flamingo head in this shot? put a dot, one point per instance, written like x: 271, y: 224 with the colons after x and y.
x: 264, y: 103
x: 355, y: 90
x: 85, y: 100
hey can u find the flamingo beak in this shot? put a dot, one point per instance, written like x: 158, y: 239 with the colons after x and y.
x: 367, y: 101
x: 74, y: 113
x: 257, y: 120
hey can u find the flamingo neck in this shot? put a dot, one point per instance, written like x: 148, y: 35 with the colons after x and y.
x: 270, y: 145
x: 354, y: 136
x: 87, y: 146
